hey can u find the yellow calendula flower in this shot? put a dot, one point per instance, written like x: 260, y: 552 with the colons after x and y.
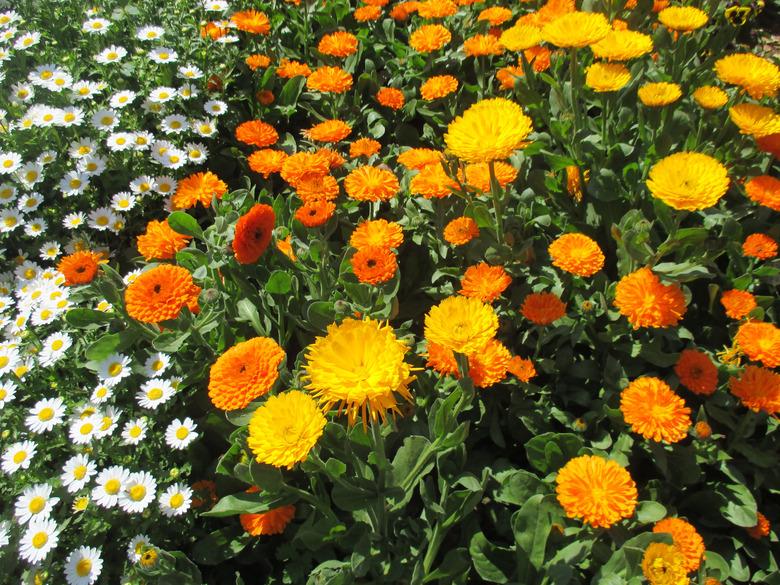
x: 603, y: 77
x: 285, y: 428
x: 659, y: 94
x: 688, y: 180
x: 664, y: 564
x: 710, y: 97
x: 622, y: 45
x: 462, y: 324
x: 758, y: 121
x: 759, y: 77
x: 520, y: 37
x: 576, y: 29
x: 682, y: 18
x: 489, y: 130
x: 359, y: 367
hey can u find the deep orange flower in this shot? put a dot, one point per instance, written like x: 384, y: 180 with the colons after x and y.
x: 251, y: 21
x: 378, y: 232
x: 759, y: 246
x: 495, y: 15
x: 484, y: 282
x: 374, y: 264
x: 271, y: 522
x: 367, y: 13
x: 738, y: 303
x: 329, y: 79
x: 198, y: 188
x: 257, y: 133
x: 404, y: 10
x: 539, y: 58
x: 490, y: 365
x: 391, y: 97
x: 543, y: 308
x: 328, y: 131
x: 460, y: 231
x: 703, y: 430
x: 80, y: 267
x: 369, y: 183
x: 758, y: 389
x: 685, y: 538
x: 441, y: 359
x: 266, y: 161
x: 646, y: 302
x: 769, y: 143
x: 764, y: 190
x: 160, y: 242
x: 436, y: 8
x: 253, y: 233
x: 482, y: 45
x: 760, y: 342
x: 762, y: 527
x: 213, y: 30
x: 507, y: 76
x: 418, y: 158
x: 577, y: 254
x: 265, y: 97
x: 285, y: 247
x: 317, y: 188
x: 478, y: 175
x: 160, y: 293
x: 364, y: 147
x: 696, y: 372
x: 574, y: 180
x: 244, y: 372
x: 598, y: 490
x: 438, y: 86
x: 653, y: 410
x: 432, y: 182
x: 257, y: 61
x: 521, y: 368
x: 303, y: 166
x: 289, y: 68
x: 315, y: 213
x: 335, y: 160
x: 429, y: 38
x: 338, y: 44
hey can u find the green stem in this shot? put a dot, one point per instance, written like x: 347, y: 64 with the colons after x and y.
x: 574, y: 104
x: 313, y: 500
x: 382, y: 465
x: 496, y: 192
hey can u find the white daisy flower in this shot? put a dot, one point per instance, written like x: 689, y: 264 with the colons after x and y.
x: 54, y: 347
x: 46, y: 157
x: 174, y: 124
x: 227, y: 39
x: 134, y: 431
x: 204, y: 127
x: 38, y: 540
x: 96, y: 26
x: 196, y: 152
x: 136, y: 546
x: 30, y: 173
x: 156, y: 364
x: 120, y: 141
x: 174, y: 158
x: 91, y: 165
x: 123, y: 201
x: 7, y: 193
x: 35, y: 503
x: 82, y: 147
x: 165, y: 185
x: 8, y: 17
x: 5, y: 533
x: 18, y: 456
x: 84, y: 90
x: 83, y: 430
x: 77, y: 472
x: 50, y: 250
x: 105, y: 119
x: 27, y: 40
x: 149, y: 33
x: 143, y: 185
x: 175, y: 500
x: 45, y: 415
x: 112, y: 54
x: 29, y: 271
x: 35, y: 226
x: 130, y: 277
x: 180, y: 434
x: 9, y: 359
x: 83, y: 566
x: 138, y: 492
x: 122, y: 98
x: 74, y: 220
x: 113, y: 369
x: 29, y: 202
x: 151, y: 107
x: 101, y: 393
x: 108, y: 422
x: 188, y: 91
x: 45, y: 314
x: 21, y: 93
x: 189, y: 72
x: 74, y: 183
x: 101, y: 218
x: 109, y: 483
x: 142, y: 140
x: 162, y: 94
x: 61, y: 80
x: 215, y: 107
x: 163, y: 55
x: 9, y: 162
x: 154, y: 392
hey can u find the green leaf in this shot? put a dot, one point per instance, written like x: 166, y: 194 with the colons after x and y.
x: 531, y: 525
x: 280, y: 282
x: 247, y: 312
x: 648, y: 512
x: 550, y: 451
x: 737, y: 504
x: 320, y: 314
x: 184, y: 223
x: 103, y: 347
x: 626, y: 562
x: 335, y: 468
x: 220, y: 545
x: 455, y: 563
x: 493, y: 563
x: 244, y: 503
x: 170, y: 341
x: 85, y: 318
x: 516, y: 486
x: 267, y: 477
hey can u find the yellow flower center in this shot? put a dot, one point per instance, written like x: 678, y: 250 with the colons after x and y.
x: 182, y: 433
x: 84, y: 150
x: 114, y: 369
x: 37, y: 504
x: 20, y: 456
x: 4, y: 361
x: 45, y: 314
x: 135, y: 432
x: 57, y: 344
x: 86, y: 428
x: 112, y: 487
x: 137, y: 493
x: 154, y: 394
x: 176, y: 500
x: 83, y: 567
x: 80, y: 471
x: 46, y: 414
x: 105, y: 423
x: 40, y: 540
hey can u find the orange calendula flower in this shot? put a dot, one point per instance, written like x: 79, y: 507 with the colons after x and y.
x: 367, y: 13
x: 266, y: 161
x: 265, y: 97
x: 760, y: 342
x: 441, y: 359
x: 758, y: 389
x: 703, y: 430
x: 764, y: 190
x: 436, y: 8
x: 253, y: 233
x: 271, y: 522
x: 303, y: 166
x: 461, y: 324
x: 364, y: 147
x: 646, y: 302
x: 257, y: 133
x: 710, y: 97
x: 495, y: 15
x: 213, y: 30
x: 160, y: 293
x: 257, y: 61
x: 315, y: 213
x: 315, y: 188
x: 604, y: 77
x: 286, y: 248
x: 329, y: 79
x: 198, y: 188
x: 543, y: 308
x: 507, y: 76
x: 685, y: 537
x: 759, y: 246
x: 696, y: 372
x: 438, y: 86
x: 597, y: 490
x: 482, y: 45
x: 418, y: 158
x: 478, y: 175
x: 160, y: 242
x: 461, y: 231
x: 432, y: 182
x: 369, y: 183
x: 737, y: 303
x: 378, y: 232
x: 653, y: 410
x: 244, y: 372
x: 762, y: 527
x: 484, y: 282
x: 755, y: 120
x: 664, y: 564
x: 80, y: 267
x: 289, y: 68
x: 577, y: 254
x: 429, y: 38
x: 622, y: 45
x: 403, y: 10
x: 328, y: 131
x: 574, y: 180
x: 391, y: 97
x: 335, y: 160
x: 339, y: 44
x: 770, y: 143
x: 251, y: 21
x: 374, y: 264
x: 489, y: 365
x: 521, y: 368
x: 539, y: 58
x: 758, y: 76
x: 520, y: 37
x: 688, y: 180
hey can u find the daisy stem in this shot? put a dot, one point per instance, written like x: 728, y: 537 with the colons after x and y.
x: 495, y: 191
